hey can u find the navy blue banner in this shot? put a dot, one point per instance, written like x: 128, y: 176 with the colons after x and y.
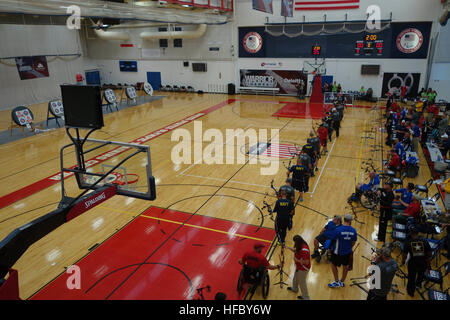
x: 400, y: 40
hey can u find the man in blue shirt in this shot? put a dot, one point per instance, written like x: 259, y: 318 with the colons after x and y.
x: 406, y: 196
x: 416, y: 136
x: 373, y: 184
x: 343, y: 239
x: 400, y: 149
x: 325, y: 234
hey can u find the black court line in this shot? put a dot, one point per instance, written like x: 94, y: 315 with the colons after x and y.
x: 181, y: 225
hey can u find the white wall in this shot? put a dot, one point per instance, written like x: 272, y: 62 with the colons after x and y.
x: 440, y: 70
x: 218, y: 75
x: 105, y: 56
x: 29, y: 40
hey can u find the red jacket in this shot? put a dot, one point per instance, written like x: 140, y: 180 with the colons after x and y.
x: 413, y: 209
x: 395, y: 161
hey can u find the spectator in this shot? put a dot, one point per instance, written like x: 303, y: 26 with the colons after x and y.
x: 388, y: 267
x: 419, y: 252
x: 416, y: 135
x: 406, y: 196
x: 412, y: 211
x: 344, y: 238
x: 303, y: 264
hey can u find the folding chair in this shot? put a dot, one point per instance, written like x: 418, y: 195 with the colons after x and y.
x: 434, y: 277
x: 438, y: 295
x: 424, y: 188
x: 436, y: 246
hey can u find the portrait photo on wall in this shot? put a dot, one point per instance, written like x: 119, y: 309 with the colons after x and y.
x: 393, y: 83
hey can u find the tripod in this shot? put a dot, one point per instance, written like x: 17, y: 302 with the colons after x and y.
x: 281, y: 271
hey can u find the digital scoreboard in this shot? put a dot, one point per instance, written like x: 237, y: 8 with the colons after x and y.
x: 370, y: 46
x: 316, y: 50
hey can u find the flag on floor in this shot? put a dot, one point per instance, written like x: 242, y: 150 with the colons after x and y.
x: 304, y: 5
x: 263, y: 5
x: 287, y: 8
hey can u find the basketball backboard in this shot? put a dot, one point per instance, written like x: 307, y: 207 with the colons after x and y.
x: 318, y: 66
x: 126, y: 165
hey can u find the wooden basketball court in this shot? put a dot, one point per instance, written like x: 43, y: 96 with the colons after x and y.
x: 205, y: 216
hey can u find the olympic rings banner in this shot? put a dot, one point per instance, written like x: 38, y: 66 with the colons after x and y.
x: 285, y: 80
x: 392, y: 82
x: 32, y: 67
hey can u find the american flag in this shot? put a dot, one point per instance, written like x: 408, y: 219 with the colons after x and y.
x: 304, y: 5
x: 282, y: 151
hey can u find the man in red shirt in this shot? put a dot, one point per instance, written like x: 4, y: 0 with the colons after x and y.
x: 412, y: 211
x: 394, y: 107
x: 323, y: 136
x: 403, y: 91
x: 254, y: 259
x: 394, y: 164
x: 302, y: 261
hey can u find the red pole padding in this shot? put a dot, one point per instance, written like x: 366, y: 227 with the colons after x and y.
x: 9, y: 290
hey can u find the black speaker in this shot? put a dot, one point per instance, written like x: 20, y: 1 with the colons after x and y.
x: 163, y: 43
x: 186, y: 64
x: 231, y: 88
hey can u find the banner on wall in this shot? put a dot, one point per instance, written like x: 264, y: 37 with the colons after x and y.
x: 392, y: 83
x: 32, y: 67
x: 285, y: 80
x: 263, y: 5
x: 287, y: 8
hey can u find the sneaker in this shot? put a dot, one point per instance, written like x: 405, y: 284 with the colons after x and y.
x: 341, y: 283
x: 318, y: 258
x: 315, y: 254
x: 299, y: 297
x: 334, y: 284
x: 290, y: 289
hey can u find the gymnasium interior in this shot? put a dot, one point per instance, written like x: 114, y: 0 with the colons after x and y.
x: 146, y: 145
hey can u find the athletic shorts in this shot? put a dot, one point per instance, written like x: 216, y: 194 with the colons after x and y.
x: 298, y: 185
x: 340, y: 260
x: 323, y: 142
x: 321, y: 238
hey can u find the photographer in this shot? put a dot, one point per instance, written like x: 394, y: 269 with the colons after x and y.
x: 388, y: 268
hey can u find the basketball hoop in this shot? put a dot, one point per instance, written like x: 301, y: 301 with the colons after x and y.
x: 128, y: 180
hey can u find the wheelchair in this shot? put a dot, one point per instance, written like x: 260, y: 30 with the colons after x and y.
x: 368, y: 199
x: 254, y: 277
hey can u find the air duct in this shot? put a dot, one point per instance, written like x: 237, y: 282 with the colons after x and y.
x: 112, y: 35
x: 199, y: 32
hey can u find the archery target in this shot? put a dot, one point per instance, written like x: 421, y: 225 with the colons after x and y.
x: 24, y: 117
x: 148, y: 89
x: 110, y: 96
x: 56, y: 107
x: 131, y: 93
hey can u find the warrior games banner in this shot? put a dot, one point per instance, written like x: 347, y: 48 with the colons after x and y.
x: 285, y: 80
x: 392, y: 82
x: 263, y: 5
x: 287, y: 8
x: 32, y: 67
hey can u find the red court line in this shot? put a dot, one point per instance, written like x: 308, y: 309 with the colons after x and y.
x: 193, y: 258
x: 40, y: 185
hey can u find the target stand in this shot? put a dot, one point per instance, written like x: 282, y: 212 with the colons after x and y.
x: 111, y: 100
x: 146, y: 89
x: 130, y: 95
x: 22, y: 117
x: 55, y: 111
